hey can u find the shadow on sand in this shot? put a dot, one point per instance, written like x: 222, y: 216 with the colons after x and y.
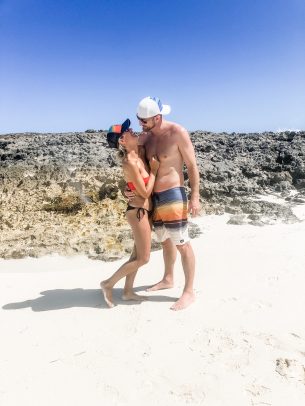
x: 58, y: 299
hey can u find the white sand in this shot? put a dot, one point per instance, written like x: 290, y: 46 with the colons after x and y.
x: 241, y: 343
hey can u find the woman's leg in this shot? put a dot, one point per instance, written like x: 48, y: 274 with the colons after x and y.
x: 142, y: 238
x: 128, y: 293
x: 128, y: 287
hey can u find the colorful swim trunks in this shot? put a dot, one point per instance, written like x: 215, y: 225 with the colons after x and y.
x: 170, y: 215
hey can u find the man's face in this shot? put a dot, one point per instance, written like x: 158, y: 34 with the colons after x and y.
x: 147, y: 124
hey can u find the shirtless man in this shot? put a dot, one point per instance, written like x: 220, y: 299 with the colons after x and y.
x: 171, y: 143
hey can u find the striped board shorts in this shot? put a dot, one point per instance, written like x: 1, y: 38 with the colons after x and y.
x: 170, y: 215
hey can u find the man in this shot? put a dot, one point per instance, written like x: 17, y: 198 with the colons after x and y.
x: 171, y: 143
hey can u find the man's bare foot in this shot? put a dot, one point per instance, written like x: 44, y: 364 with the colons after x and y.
x: 133, y: 296
x: 185, y: 300
x: 107, y: 292
x: 164, y: 284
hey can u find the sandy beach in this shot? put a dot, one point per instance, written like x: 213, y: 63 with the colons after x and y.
x: 241, y: 343
x: 99, y: 98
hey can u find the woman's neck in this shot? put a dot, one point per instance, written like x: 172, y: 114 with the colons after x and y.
x: 133, y: 152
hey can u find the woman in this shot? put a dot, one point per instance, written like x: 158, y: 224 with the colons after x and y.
x: 138, y: 212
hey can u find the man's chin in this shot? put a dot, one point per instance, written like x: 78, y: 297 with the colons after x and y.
x: 146, y: 129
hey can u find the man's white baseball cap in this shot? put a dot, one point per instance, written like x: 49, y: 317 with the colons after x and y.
x: 152, y: 106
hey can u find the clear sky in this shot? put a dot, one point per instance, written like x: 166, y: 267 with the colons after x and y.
x: 223, y: 65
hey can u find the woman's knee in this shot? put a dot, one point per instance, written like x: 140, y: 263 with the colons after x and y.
x: 144, y: 259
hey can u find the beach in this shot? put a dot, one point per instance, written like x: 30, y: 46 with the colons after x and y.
x: 242, y: 342
x: 213, y: 90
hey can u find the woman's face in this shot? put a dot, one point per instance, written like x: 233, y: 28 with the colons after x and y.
x: 128, y: 138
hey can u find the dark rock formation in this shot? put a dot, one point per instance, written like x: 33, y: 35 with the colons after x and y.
x: 63, y: 192
x: 234, y: 167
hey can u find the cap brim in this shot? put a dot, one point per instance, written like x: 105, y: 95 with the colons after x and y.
x: 166, y: 109
x: 125, y: 125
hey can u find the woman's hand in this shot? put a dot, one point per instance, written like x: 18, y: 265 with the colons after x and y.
x: 154, y: 165
x: 129, y: 193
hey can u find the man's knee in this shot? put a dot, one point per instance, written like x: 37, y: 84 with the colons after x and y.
x: 184, y: 248
x: 168, y: 245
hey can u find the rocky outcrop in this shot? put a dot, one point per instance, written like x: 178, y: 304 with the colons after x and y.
x: 63, y: 192
x: 234, y: 168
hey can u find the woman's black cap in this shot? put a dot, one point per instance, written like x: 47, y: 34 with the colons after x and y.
x: 115, y: 131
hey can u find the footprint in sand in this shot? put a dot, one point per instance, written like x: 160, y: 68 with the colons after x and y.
x: 291, y: 369
x: 259, y: 394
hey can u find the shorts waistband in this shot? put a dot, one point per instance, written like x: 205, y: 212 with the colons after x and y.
x: 173, y: 194
x: 173, y: 189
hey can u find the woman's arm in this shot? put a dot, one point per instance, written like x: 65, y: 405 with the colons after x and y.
x: 136, y: 178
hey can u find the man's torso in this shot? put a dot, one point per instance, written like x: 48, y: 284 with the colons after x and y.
x: 165, y: 147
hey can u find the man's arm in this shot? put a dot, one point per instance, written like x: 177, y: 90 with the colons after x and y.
x: 187, y: 151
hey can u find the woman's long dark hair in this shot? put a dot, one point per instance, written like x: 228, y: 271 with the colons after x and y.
x: 122, y: 153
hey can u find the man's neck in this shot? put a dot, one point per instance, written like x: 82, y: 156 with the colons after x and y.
x: 158, y: 130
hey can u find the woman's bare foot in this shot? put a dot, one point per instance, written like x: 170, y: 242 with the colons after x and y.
x: 107, y: 292
x: 185, y: 300
x: 133, y: 296
x: 164, y: 284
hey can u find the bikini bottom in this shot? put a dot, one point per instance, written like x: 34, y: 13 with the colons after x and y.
x: 140, y: 211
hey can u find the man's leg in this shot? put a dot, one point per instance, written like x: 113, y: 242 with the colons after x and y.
x: 169, y: 257
x: 188, y: 264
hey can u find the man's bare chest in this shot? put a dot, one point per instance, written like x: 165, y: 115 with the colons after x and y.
x: 162, y: 148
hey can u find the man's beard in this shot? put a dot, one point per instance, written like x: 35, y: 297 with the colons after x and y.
x: 148, y: 128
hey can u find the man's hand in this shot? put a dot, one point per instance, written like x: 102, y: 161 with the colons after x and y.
x: 194, y: 206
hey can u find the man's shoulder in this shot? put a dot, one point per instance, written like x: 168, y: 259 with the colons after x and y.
x: 177, y: 129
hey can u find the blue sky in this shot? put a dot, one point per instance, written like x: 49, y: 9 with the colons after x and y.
x: 223, y: 65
